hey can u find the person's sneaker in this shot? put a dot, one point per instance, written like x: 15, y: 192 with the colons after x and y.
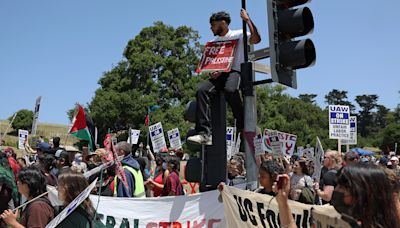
x: 202, y: 139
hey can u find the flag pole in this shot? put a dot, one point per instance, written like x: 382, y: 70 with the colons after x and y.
x: 148, y: 133
x: 9, y: 125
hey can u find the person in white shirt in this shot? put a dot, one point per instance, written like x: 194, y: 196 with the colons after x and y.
x: 227, y: 81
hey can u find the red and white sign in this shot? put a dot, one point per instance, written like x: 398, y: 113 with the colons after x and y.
x: 217, y: 56
x: 288, y: 142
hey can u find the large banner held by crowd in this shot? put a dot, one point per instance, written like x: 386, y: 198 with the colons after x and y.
x: 248, y: 209
x: 217, y: 56
x: 199, y: 210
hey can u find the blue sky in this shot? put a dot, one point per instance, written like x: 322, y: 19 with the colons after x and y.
x: 59, y: 49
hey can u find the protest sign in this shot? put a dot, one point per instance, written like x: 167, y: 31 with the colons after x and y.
x: 237, y: 145
x: 36, y: 115
x: 198, y: 210
x: 339, y: 122
x: 309, y: 153
x: 353, y: 132
x: 134, y: 136
x: 157, y: 137
x: 258, y: 141
x: 276, y: 145
x: 230, y: 141
x: 250, y: 209
x: 319, y: 159
x: 72, y: 206
x: 288, y: 142
x: 217, y: 56
x: 174, y: 139
x: 22, y: 137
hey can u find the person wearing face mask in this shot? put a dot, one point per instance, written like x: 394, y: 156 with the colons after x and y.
x: 38, y: 213
x: 367, y: 195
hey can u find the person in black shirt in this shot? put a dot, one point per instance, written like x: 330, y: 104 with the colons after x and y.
x: 269, y: 170
x: 327, y: 184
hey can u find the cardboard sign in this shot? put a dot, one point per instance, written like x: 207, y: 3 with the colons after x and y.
x: 157, y: 137
x: 276, y: 145
x: 339, y: 122
x: 217, y: 56
x: 72, y: 206
x: 134, y: 136
x: 353, y: 132
x: 22, y: 137
x: 174, y: 138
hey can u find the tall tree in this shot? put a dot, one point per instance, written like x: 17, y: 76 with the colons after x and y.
x: 380, y: 117
x: 158, y: 69
x: 367, y: 103
x: 339, y: 97
x: 23, y: 120
x: 309, y: 98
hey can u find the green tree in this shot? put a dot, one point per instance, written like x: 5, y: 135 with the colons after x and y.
x: 365, y: 118
x: 389, y: 136
x: 338, y: 97
x: 23, y: 120
x: 309, y: 98
x: 158, y: 69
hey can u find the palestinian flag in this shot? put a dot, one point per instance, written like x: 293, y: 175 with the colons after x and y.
x: 81, y: 127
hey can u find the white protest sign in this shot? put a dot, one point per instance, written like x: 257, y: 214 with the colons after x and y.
x: 249, y: 209
x: 258, y: 141
x: 134, y: 136
x: 230, y: 141
x: 309, y: 153
x: 300, y: 151
x: 288, y: 142
x: 276, y: 145
x: 339, y: 122
x: 319, y: 159
x: 157, y: 137
x: 237, y: 145
x: 353, y: 132
x: 72, y: 206
x: 36, y: 115
x: 174, y: 138
x: 197, y: 210
x: 22, y: 137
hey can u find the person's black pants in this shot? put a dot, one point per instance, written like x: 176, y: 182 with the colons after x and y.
x: 229, y: 83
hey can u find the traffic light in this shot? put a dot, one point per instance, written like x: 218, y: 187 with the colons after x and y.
x: 285, y: 23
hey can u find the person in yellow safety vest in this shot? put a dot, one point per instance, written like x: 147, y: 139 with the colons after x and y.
x: 132, y: 173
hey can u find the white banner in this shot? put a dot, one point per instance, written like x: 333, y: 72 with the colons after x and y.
x: 353, y: 132
x: 288, y: 142
x: 339, y: 122
x: 198, y: 210
x: 174, y: 138
x: 248, y: 209
x: 134, y: 136
x: 22, y: 137
x: 36, y: 115
x: 157, y: 137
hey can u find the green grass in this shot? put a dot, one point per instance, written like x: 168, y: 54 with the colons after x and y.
x: 46, y: 130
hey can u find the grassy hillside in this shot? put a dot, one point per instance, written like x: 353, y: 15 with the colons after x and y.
x: 44, y: 129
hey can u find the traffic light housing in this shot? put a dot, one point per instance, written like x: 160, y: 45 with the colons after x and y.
x: 285, y: 23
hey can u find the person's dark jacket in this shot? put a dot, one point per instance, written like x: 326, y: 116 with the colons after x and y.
x: 121, y: 190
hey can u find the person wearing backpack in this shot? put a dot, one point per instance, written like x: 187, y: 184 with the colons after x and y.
x: 301, y: 183
x: 38, y: 213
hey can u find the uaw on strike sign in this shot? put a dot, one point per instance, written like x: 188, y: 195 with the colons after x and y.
x: 339, y: 122
x: 217, y: 56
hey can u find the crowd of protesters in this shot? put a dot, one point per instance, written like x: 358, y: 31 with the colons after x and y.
x: 23, y: 180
